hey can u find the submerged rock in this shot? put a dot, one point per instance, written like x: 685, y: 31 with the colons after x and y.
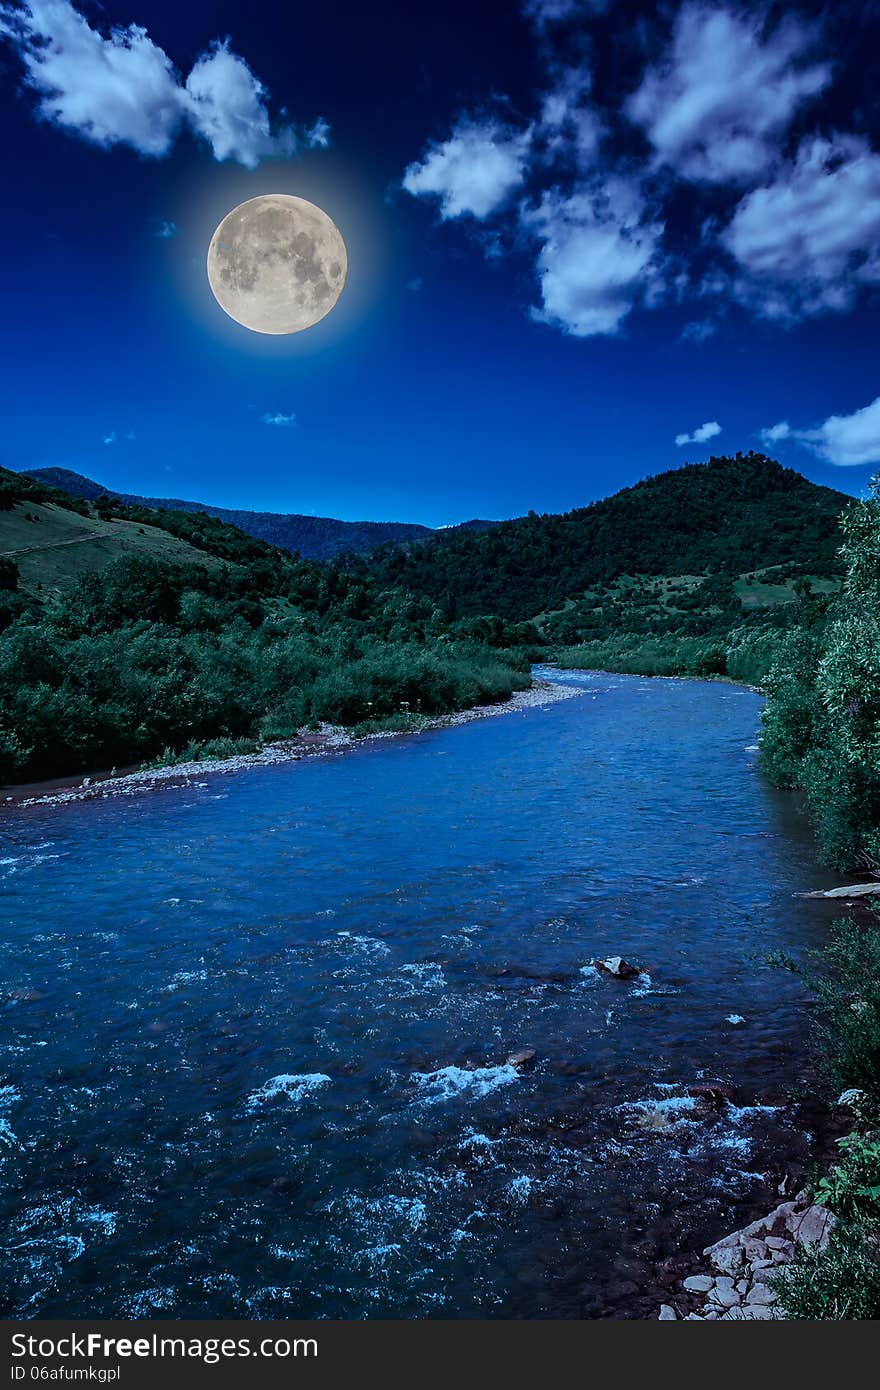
x: 618, y: 967
x: 525, y: 1057
x: 712, y: 1092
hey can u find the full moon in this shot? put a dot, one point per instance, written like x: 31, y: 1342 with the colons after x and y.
x: 277, y: 264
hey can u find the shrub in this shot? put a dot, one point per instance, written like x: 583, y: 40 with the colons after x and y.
x: 848, y: 992
x: 851, y: 1189
x: 839, y: 1283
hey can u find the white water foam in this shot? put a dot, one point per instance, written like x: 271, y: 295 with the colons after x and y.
x: 9, y: 1095
x: 450, y: 1082
x: 294, y: 1087
x: 369, y: 945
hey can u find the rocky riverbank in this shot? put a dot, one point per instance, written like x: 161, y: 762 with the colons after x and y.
x: 734, y: 1285
x: 309, y: 743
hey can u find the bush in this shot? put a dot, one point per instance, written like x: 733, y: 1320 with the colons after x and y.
x: 848, y: 992
x: 851, y: 1189
x: 650, y: 656
x: 822, y: 721
x: 839, y: 1283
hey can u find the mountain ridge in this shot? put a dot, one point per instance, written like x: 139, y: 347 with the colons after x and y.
x: 312, y: 537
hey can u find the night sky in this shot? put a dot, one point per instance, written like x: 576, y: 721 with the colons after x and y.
x: 578, y: 231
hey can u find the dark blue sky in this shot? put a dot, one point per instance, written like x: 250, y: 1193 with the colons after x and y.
x: 687, y: 196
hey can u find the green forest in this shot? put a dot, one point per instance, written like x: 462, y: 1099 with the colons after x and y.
x: 143, y: 659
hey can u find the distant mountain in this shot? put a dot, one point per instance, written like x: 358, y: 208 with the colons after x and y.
x: 312, y: 537
x: 729, y: 516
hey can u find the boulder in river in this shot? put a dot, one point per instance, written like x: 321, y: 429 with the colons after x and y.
x: 524, y: 1057
x: 712, y: 1092
x: 618, y: 967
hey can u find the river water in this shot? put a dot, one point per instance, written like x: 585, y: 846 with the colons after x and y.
x: 254, y: 1034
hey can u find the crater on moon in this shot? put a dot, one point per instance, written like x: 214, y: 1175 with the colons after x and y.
x: 277, y: 264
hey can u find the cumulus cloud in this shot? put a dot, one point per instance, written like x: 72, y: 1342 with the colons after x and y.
x: 569, y: 125
x: 474, y: 172
x: 809, y: 239
x: 279, y: 418
x: 700, y: 435
x: 598, y: 256
x: 776, y: 433
x: 785, y: 234
x: 848, y: 441
x: 226, y: 106
x: 716, y: 104
x: 122, y: 89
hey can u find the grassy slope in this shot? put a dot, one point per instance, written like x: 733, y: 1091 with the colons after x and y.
x: 312, y: 537
x: 54, y: 550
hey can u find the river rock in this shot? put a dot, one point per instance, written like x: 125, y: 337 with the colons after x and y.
x: 617, y: 966
x: 525, y: 1057
x: 813, y: 1226
x: 754, y: 1250
x: 724, y: 1294
x: 760, y: 1293
x: 712, y: 1092
x: 851, y: 890
x: 699, y: 1283
x: 728, y: 1259
x: 667, y: 1314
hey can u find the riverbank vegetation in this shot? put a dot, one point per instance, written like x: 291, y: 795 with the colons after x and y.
x: 143, y: 658
x: 822, y: 735
x: 842, y: 1281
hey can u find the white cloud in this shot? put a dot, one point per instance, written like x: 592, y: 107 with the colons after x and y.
x: 474, y: 172
x: 597, y: 259
x: 227, y: 108
x: 848, y: 440
x: 279, y: 418
x: 568, y: 126
x: 111, y: 438
x: 545, y: 13
x: 715, y: 106
x: 809, y: 239
x: 166, y: 230
x: 123, y: 89
x: 776, y: 433
x: 317, y: 137
x: 700, y: 435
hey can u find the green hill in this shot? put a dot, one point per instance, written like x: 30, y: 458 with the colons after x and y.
x: 728, y: 517
x: 130, y: 633
x: 311, y: 537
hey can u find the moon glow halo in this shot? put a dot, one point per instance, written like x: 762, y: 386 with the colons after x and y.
x: 277, y: 264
